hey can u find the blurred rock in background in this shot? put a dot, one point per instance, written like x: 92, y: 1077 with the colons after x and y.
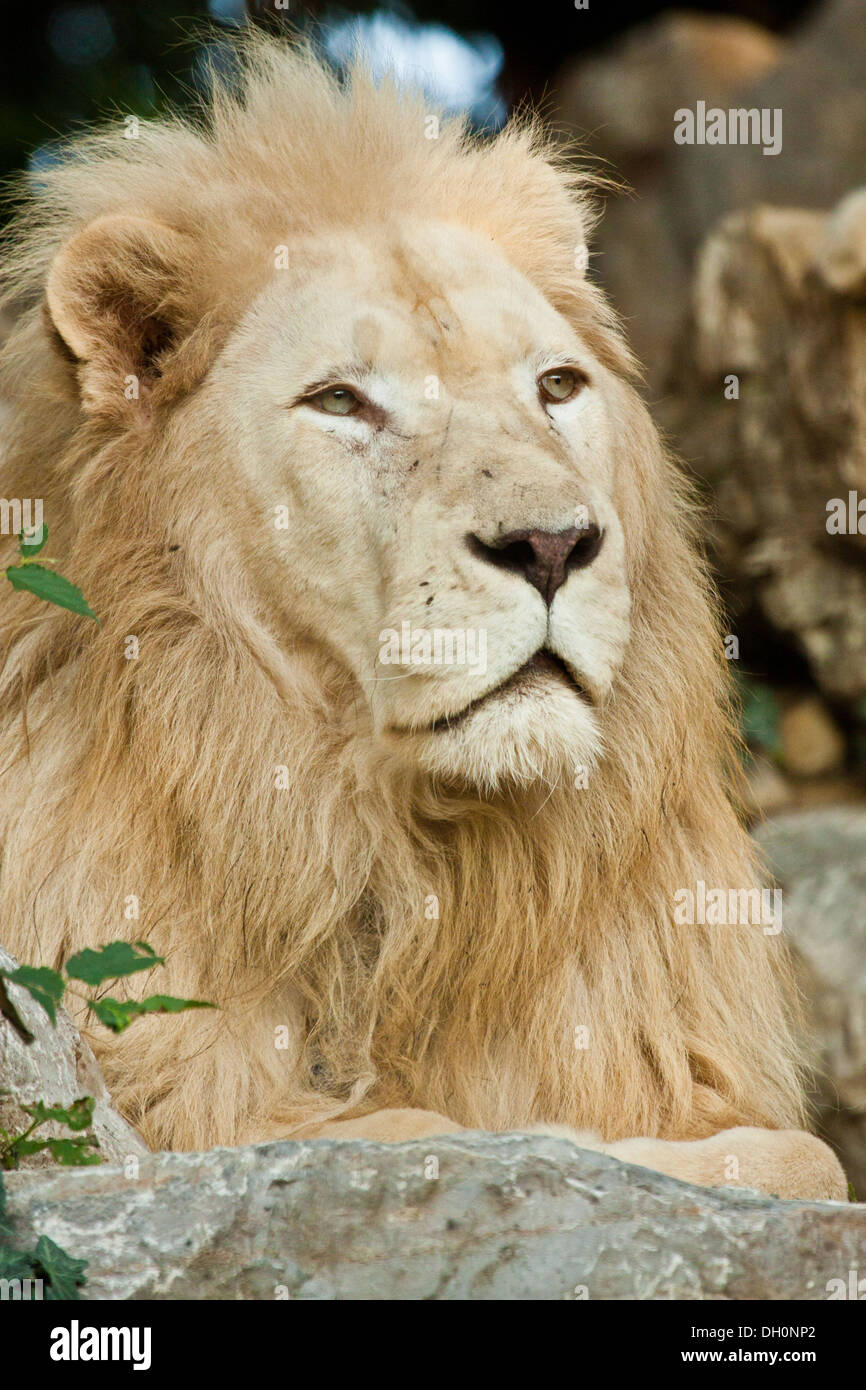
x: 769, y: 405
x: 621, y: 105
x: 742, y: 280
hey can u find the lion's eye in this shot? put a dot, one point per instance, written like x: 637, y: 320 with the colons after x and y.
x: 561, y: 384
x: 336, y: 400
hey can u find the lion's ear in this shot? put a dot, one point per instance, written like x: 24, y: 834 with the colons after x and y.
x: 114, y: 294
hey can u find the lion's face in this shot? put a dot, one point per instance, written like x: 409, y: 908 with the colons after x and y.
x: 430, y: 444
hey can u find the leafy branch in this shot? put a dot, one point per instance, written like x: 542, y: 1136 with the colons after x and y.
x: 71, y: 1153
x: 115, y: 961
x: 112, y: 962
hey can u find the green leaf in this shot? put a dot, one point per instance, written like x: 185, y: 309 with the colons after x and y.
x: 36, y: 579
x: 44, y: 985
x: 5, y: 1228
x: 64, y: 1274
x: 112, y: 1013
x: 72, y: 1153
x: 15, y: 1264
x: 9, y: 1011
x: 112, y: 962
x: 117, y: 1014
x: 77, y: 1116
x: 22, y: 1148
x: 168, y: 1004
x: 28, y: 547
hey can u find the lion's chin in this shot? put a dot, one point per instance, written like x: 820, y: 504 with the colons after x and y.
x: 549, y: 736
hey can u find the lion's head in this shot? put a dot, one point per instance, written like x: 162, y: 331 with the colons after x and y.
x: 426, y: 720
x: 415, y: 435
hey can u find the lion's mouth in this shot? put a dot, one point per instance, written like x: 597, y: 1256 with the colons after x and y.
x: 543, y: 663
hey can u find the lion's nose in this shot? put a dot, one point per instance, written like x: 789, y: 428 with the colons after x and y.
x: 544, y: 558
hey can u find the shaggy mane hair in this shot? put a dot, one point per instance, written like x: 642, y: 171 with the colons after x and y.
x: 154, y: 778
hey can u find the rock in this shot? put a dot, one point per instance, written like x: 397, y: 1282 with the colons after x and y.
x: 57, y: 1067
x: 812, y: 745
x: 818, y: 85
x: 841, y: 256
x: 767, y: 791
x: 627, y: 94
x: 622, y: 103
x: 771, y: 412
x: 467, y: 1216
x: 819, y: 858
x: 742, y: 278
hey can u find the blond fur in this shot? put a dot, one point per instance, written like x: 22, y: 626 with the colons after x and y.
x: 154, y: 777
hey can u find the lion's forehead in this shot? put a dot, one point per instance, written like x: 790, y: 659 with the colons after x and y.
x: 424, y: 299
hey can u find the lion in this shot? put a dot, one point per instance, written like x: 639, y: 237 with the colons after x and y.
x: 306, y: 381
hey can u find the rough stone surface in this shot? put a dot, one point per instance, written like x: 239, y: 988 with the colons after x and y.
x: 819, y: 858
x: 57, y: 1067
x: 769, y: 327
x: 731, y: 262
x: 503, y: 1217
x: 621, y: 102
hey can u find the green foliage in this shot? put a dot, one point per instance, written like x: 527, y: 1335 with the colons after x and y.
x: 70, y: 1153
x: 42, y: 984
x: 117, y: 1014
x: 52, y: 587
x: 77, y: 1116
x: 34, y: 578
x: 114, y: 961
x: 30, y: 548
x: 61, y: 1274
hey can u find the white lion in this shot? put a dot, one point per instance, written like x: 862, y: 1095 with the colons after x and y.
x: 291, y: 379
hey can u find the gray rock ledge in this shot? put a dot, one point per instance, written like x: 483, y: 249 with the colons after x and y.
x: 468, y: 1216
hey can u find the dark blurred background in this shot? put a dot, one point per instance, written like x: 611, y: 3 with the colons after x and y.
x: 62, y: 64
